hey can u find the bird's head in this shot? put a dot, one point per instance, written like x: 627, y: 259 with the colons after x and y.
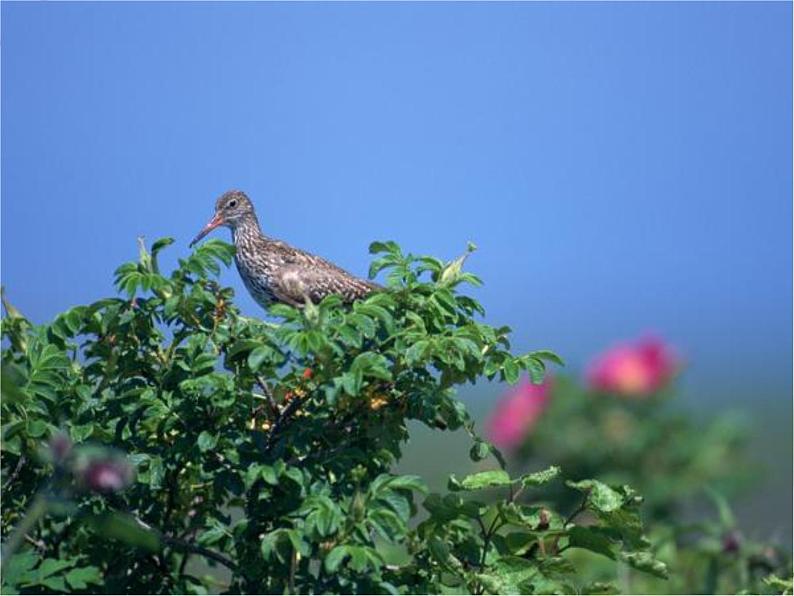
x: 231, y: 208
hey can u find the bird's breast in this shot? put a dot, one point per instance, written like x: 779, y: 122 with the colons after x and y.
x: 257, y: 276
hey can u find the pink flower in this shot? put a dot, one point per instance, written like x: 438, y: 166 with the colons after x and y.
x: 633, y: 370
x: 516, y: 414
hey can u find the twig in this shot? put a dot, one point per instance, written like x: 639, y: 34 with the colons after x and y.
x: 577, y: 511
x: 39, y: 544
x: 271, y: 402
x: 183, y: 564
x: 15, y: 473
x: 293, y: 567
x: 487, y: 538
x: 514, y: 496
x: 282, y: 419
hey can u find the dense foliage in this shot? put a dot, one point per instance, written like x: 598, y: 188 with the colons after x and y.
x: 258, y: 454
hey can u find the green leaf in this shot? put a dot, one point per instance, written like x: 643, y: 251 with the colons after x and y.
x: 592, y: 539
x: 513, y: 572
x: 56, y: 584
x: 258, y: 356
x: 600, y: 588
x: 389, y: 246
x: 511, y: 370
x: 281, y: 543
x: 479, y: 451
x: 206, y: 441
x: 547, y: 355
x: 80, y: 577
x: 124, y: 527
x: 49, y: 567
x: 542, y: 477
x: 599, y: 495
x: 160, y: 244
x: 536, y: 368
x: 18, y: 566
x: 644, y: 561
x: 416, y: 352
x: 36, y: 428
x: 486, y: 479
x: 334, y: 558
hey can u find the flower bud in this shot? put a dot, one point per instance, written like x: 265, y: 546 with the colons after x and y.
x: 60, y: 448
x: 543, y: 521
x: 731, y: 542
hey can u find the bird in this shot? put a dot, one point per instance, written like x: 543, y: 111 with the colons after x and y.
x: 272, y: 270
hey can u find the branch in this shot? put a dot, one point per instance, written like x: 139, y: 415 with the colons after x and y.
x: 200, y: 550
x: 282, y: 419
x: 15, y: 473
x: 39, y: 544
x: 271, y: 402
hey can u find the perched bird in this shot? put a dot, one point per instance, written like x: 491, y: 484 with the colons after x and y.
x: 274, y: 271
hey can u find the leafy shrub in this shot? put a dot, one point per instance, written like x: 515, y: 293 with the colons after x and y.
x: 622, y: 426
x: 262, y: 451
x: 668, y: 454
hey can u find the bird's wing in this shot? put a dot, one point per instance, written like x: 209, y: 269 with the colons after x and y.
x: 293, y: 284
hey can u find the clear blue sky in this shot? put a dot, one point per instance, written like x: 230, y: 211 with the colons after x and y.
x: 622, y: 167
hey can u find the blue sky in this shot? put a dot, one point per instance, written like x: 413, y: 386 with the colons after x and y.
x: 623, y: 167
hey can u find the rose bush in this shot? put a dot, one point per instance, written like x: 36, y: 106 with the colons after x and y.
x: 620, y: 425
x: 162, y: 442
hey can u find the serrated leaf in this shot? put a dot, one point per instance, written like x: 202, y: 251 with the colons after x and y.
x: 487, y: 479
x: 644, y: 561
x: 548, y: 355
x: 80, y: 577
x: 600, y: 496
x: 542, y: 477
x: 511, y: 370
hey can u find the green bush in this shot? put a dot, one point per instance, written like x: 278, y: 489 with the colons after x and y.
x: 165, y: 443
x: 685, y: 467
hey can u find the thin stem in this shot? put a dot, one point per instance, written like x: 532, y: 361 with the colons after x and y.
x: 576, y: 511
x: 487, y: 538
x: 39, y: 544
x: 293, y: 566
x: 15, y: 473
x: 514, y: 496
x: 271, y: 402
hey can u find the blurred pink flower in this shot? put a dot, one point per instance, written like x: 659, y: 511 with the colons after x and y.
x: 107, y: 475
x: 516, y: 414
x: 633, y: 370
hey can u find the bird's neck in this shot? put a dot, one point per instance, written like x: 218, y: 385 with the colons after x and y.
x: 246, y: 230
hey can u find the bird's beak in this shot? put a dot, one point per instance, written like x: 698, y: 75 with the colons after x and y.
x: 217, y: 220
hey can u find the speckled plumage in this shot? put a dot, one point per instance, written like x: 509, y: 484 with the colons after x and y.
x: 274, y: 271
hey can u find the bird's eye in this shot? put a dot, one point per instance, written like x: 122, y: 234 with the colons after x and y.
x: 232, y: 203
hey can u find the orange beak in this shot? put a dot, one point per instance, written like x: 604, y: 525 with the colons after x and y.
x: 216, y: 221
